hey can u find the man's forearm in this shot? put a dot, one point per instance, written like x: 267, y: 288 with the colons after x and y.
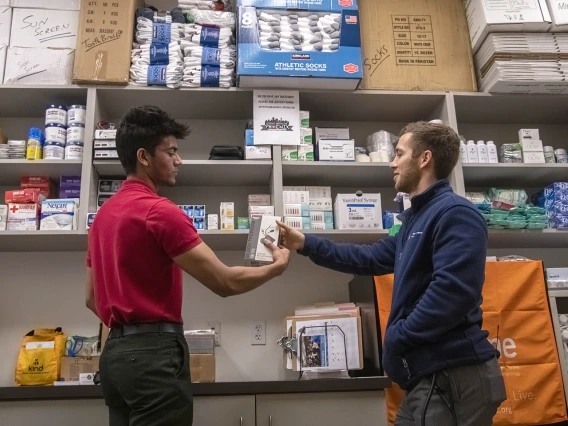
x: 244, y: 279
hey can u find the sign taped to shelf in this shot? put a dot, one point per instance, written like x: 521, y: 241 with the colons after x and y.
x: 276, y: 117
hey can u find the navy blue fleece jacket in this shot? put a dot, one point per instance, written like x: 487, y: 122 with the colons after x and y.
x: 438, y: 260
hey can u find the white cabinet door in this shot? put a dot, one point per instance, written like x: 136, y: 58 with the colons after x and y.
x: 330, y: 409
x: 224, y: 411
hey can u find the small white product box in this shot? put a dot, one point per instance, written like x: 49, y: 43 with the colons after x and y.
x: 44, y: 28
x: 304, y: 119
x: 319, y: 191
x: 258, y: 152
x: 107, y: 186
x: 259, y: 199
x: 23, y: 217
x: 227, y: 209
x: 213, y: 221
x: 298, y: 222
x: 296, y: 197
x: 557, y: 277
x: 306, y: 136
x: 105, y: 134
x: 306, y: 153
x: 331, y: 133
x: 59, y: 215
x: 261, y: 229
x: 532, y: 145
x: 257, y: 211
x: 3, y: 216
x: 529, y: 134
x: 297, y: 210
x: 294, y: 188
x: 290, y: 153
x: 533, y: 157
x: 227, y: 223
x: 321, y: 226
x: 336, y: 150
x: 321, y: 217
x: 358, y: 212
x: 322, y: 204
x: 90, y: 220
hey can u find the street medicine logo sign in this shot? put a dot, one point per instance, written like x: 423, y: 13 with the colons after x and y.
x: 276, y: 117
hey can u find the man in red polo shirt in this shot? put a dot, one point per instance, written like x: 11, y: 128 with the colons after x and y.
x: 139, y: 244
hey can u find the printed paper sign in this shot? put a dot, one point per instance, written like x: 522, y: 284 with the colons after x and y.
x: 276, y: 117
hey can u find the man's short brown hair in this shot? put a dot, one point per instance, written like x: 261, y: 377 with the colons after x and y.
x: 439, y: 139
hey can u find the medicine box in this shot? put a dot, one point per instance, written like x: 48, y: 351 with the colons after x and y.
x: 227, y: 209
x: 70, y: 182
x: 108, y: 153
x: 259, y: 199
x: 323, y: 204
x: 227, y: 223
x: 59, y: 215
x: 243, y: 223
x: 305, y: 119
x: 297, y: 210
x: 529, y: 134
x: 69, y: 192
x: 22, y: 217
x: 212, y: 221
x: 319, y: 226
x: 305, y: 136
x: 255, y: 211
x: 105, y: 144
x: 352, y: 211
x: 533, y: 157
x: 319, y: 191
x: 290, y: 152
x: 296, y: 197
x: 27, y: 195
x: 90, y: 220
x: 533, y: 145
x: 298, y: 222
x: 109, y: 186
x: 199, y: 223
x: 336, y: 150
x: 3, y: 216
x: 199, y: 211
x: 557, y: 277
x: 105, y: 134
x: 258, y: 152
x: 331, y: 133
x: 261, y: 229
x: 321, y: 217
x: 306, y: 153
x: 35, y: 182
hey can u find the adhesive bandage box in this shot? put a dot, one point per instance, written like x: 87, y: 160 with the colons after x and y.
x: 259, y: 199
x: 256, y: 211
x: 261, y: 229
x: 296, y: 197
x: 109, y: 186
x: 298, y: 222
x: 319, y: 191
x: 352, y: 211
x: 59, y: 215
x: 23, y: 217
x: 297, y: 210
x: 323, y: 204
x: 212, y: 221
x: 228, y: 209
x: 35, y: 182
x: 305, y: 119
x: 290, y: 153
x: 306, y: 136
x: 105, y: 134
x: 3, y: 216
x: 336, y: 150
x: 306, y: 153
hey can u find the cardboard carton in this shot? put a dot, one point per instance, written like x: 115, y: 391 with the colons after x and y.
x: 72, y: 367
x: 202, y: 368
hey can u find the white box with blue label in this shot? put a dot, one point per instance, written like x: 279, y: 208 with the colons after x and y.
x: 352, y: 211
x: 305, y: 44
x: 59, y: 215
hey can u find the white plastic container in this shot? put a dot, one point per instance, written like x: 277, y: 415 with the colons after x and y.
x: 74, y: 151
x: 482, y: 152
x: 53, y: 151
x: 76, y: 114
x: 472, y: 155
x: 56, y: 114
x: 492, y: 152
x: 55, y: 133
x: 76, y: 133
x: 463, y: 152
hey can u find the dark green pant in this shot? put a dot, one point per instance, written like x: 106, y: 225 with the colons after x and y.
x: 145, y: 380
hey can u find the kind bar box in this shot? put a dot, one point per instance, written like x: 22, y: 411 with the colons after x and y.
x: 352, y: 211
x: 416, y: 45
x: 262, y: 228
x: 104, y: 42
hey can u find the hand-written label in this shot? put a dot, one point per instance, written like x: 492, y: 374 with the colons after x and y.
x: 372, y: 64
x: 91, y: 43
x: 27, y: 66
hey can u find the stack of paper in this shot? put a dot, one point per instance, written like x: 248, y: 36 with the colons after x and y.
x: 523, y: 62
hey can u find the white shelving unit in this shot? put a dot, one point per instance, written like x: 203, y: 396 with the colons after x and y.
x: 217, y: 117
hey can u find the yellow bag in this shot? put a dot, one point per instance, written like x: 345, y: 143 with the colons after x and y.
x: 39, y: 361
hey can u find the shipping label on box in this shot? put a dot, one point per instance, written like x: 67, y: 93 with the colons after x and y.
x: 262, y: 229
x: 336, y: 150
x: 5, y: 25
x: 38, y: 66
x: 105, y: 42
x: 44, y: 28
x: 358, y: 212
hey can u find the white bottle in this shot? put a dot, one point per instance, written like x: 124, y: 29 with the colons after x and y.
x: 492, y: 152
x: 472, y: 156
x: 463, y: 152
x: 482, y: 152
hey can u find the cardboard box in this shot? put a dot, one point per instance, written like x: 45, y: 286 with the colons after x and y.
x: 5, y: 25
x: 336, y: 150
x: 257, y: 66
x: 202, y: 368
x: 358, y: 212
x: 416, y: 45
x: 44, y: 28
x: 490, y: 16
x: 104, y: 42
x: 559, y: 13
x: 331, y: 133
x: 259, y: 152
x: 38, y: 66
x: 557, y: 277
x: 262, y: 228
x: 47, y: 4
x: 59, y: 215
x: 73, y: 367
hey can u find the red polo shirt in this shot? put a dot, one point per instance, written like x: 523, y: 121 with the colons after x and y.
x: 132, y: 241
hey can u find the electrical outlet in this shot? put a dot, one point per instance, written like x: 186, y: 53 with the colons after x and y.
x: 258, y: 333
x: 216, y: 327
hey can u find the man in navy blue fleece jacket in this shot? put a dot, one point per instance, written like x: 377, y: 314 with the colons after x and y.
x: 434, y: 346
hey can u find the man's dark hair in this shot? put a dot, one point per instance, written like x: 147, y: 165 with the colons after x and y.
x: 144, y: 127
x: 439, y: 139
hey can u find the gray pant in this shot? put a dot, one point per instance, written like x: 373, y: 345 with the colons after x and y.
x: 476, y: 392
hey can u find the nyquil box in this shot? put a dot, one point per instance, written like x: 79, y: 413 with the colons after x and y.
x: 258, y: 67
x: 261, y: 228
x: 59, y: 215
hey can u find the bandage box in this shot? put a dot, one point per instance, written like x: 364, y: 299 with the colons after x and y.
x: 28, y: 195
x: 262, y: 228
x: 534, y: 145
x: 34, y: 65
x: 259, y: 199
x: 306, y: 153
x: 323, y: 204
x: 297, y: 210
x: 227, y: 209
x: 109, y: 186
x: 488, y: 16
x: 69, y: 193
x: 256, y: 211
x: 73, y: 367
x: 319, y: 191
x: 533, y: 157
x: 296, y: 197
x: 331, y: 133
x: 306, y: 136
x: 202, y: 368
x: 298, y: 222
x: 103, y: 134
x: 529, y: 134
x: 258, y: 152
x: 44, y: 28
x: 23, y: 217
x: 290, y: 152
x: 336, y: 150
x: 3, y: 216
x: 352, y: 211
x: 557, y: 277
x: 227, y: 223
x: 321, y: 217
x: 59, y: 215
x: 70, y: 182
x: 104, y: 42
x: 305, y: 119
x: 258, y: 66
x: 36, y: 182
x: 212, y: 221
x: 5, y: 24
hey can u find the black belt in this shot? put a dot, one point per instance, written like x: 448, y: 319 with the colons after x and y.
x: 158, y: 327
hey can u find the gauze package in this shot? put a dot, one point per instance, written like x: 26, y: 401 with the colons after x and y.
x: 59, y: 215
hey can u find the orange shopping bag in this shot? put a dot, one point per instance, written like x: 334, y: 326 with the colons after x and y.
x: 517, y: 316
